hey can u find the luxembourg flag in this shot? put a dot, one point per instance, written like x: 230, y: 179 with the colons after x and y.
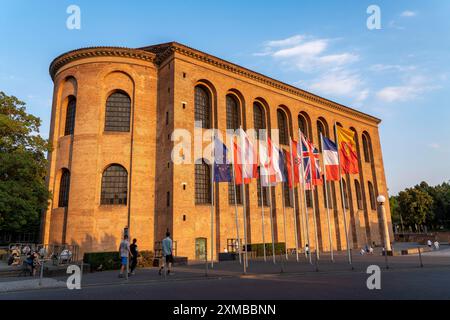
x: 330, y: 159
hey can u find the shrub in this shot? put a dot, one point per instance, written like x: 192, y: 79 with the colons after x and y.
x: 111, y: 260
x: 280, y: 248
x: 108, y: 260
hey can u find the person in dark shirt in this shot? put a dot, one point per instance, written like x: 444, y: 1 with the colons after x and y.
x: 134, y: 255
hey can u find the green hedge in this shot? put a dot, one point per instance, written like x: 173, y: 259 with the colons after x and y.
x: 280, y: 248
x: 111, y: 260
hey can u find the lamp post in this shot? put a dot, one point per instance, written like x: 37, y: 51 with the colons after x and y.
x: 387, y: 242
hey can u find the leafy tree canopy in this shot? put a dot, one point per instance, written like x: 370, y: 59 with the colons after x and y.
x: 23, y: 165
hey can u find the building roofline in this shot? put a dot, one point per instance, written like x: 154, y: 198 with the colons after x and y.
x: 165, y: 50
x: 90, y: 52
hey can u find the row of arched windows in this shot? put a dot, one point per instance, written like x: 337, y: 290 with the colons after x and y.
x: 114, y: 188
x: 203, y: 117
x: 117, y: 113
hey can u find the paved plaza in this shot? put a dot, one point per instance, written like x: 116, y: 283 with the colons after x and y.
x: 402, y: 277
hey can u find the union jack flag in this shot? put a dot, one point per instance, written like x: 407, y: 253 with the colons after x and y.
x: 312, y: 174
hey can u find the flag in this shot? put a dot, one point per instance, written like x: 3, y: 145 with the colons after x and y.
x: 311, y: 164
x: 282, y: 166
x: 248, y: 157
x: 330, y: 159
x: 347, y: 151
x: 222, y: 172
x: 293, y: 161
x: 270, y: 164
x: 238, y: 176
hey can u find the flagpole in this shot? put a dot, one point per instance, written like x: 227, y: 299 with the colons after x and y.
x: 284, y: 219
x: 342, y: 197
x: 235, y: 204
x: 314, y: 211
x: 212, y: 201
x: 262, y: 215
x: 304, y: 197
x: 244, y: 206
x: 293, y: 197
x: 271, y: 222
x: 326, y: 202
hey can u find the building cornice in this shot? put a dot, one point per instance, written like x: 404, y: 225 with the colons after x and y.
x: 164, y: 51
x: 92, y: 52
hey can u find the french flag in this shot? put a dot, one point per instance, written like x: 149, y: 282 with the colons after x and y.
x: 330, y: 159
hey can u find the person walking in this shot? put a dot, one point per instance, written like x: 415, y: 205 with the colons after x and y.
x: 134, y: 256
x: 167, y: 246
x: 124, y: 251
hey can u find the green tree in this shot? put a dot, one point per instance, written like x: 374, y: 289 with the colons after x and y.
x: 416, y: 206
x: 395, y: 210
x: 23, y: 165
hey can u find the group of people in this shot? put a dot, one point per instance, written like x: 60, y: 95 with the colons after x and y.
x: 367, y: 250
x: 127, y: 251
x: 434, y: 246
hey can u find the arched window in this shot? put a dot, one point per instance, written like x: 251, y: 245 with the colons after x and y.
x: 346, y: 202
x: 203, y: 107
x: 367, y: 147
x: 202, y: 183
x: 265, y: 191
x: 232, y: 113
x: 64, y: 187
x: 282, y: 127
x: 118, y: 112
x: 358, y: 195
x: 231, y: 200
x: 259, y: 119
x: 322, y: 128
x: 326, y: 192
x: 70, y: 116
x: 287, y: 195
x: 373, y: 204
x: 114, y: 185
x: 303, y: 123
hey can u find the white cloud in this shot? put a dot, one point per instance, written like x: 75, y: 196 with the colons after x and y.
x: 286, y: 42
x: 411, y: 89
x: 434, y: 145
x: 408, y: 14
x: 390, y: 67
x: 307, y: 54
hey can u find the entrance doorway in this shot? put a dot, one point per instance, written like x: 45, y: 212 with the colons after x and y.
x: 200, y: 249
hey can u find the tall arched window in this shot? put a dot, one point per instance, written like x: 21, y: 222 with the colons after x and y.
x: 64, y: 187
x: 70, y: 116
x: 203, y: 107
x: 346, y: 202
x: 322, y: 128
x: 373, y: 204
x: 358, y: 195
x: 282, y: 127
x: 259, y: 119
x: 327, y: 191
x: 304, y: 124
x: 202, y: 183
x: 265, y: 191
x: 232, y: 113
x: 367, y: 147
x: 114, y: 185
x: 118, y: 112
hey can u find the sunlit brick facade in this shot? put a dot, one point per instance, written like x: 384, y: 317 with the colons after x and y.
x: 113, y: 113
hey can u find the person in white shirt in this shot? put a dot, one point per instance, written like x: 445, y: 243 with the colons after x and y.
x: 436, y: 245
x: 429, y: 243
x: 167, y: 247
x: 124, y: 251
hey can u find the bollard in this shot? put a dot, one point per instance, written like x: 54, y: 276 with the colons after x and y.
x: 81, y: 275
x: 351, y: 259
x: 281, y: 260
x: 420, y: 258
x: 386, y: 258
x: 317, y: 263
x: 41, y: 275
x: 206, y: 266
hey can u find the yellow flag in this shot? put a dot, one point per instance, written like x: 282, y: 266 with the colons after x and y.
x: 347, y: 151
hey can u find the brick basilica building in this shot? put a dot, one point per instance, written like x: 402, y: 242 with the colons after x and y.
x: 113, y: 113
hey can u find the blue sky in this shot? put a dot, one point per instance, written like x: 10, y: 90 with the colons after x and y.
x: 400, y: 73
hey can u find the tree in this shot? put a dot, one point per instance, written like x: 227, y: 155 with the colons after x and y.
x: 395, y: 210
x: 23, y: 193
x: 416, y: 206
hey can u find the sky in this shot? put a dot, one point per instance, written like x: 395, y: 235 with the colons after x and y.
x: 399, y: 73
